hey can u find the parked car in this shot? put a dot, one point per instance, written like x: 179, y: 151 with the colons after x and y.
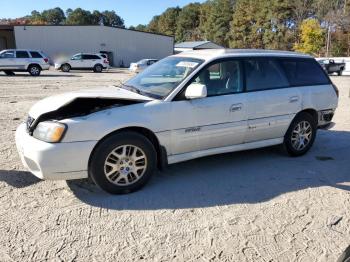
x: 105, y: 56
x: 185, y: 106
x: 95, y: 62
x: 141, y: 65
x: 330, y: 66
x: 31, y: 61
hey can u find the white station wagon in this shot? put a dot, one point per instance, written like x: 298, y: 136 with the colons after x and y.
x: 185, y: 106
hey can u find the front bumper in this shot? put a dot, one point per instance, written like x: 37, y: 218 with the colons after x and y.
x: 60, y: 161
x: 58, y: 66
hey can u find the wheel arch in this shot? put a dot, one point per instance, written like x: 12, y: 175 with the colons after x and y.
x: 161, y: 158
x: 310, y: 111
x: 34, y: 64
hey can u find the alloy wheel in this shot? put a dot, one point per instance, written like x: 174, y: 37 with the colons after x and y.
x: 34, y: 70
x: 125, y: 165
x: 301, y: 135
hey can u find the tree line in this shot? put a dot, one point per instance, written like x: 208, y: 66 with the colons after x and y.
x: 78, y: 16
x: 317, y: 27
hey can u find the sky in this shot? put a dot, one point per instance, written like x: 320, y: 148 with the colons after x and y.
x: 133, y: 12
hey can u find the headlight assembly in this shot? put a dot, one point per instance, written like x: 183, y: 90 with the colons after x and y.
x: 50, y: 131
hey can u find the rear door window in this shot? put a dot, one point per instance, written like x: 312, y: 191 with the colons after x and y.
x: 90, y: 57
x: 36, y: 55
x: 22, y: 54
x: 264, y: 73
x: 304, y: 72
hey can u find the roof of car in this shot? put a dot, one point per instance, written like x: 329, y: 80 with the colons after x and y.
x: 28, y: 50
x: 221, y: 53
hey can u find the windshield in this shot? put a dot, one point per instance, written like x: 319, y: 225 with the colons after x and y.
x: 164, y: 76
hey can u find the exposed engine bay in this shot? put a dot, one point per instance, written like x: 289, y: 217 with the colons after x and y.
x: 81, y: 106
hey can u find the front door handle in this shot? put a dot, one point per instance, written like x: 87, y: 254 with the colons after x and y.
x: 293, y: 99
x: 236, y: 107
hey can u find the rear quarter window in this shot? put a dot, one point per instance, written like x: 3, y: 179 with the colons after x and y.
x: 36, y: 55
x: 304, y: 72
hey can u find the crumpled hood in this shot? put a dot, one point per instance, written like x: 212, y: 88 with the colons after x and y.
x: 53, y: 103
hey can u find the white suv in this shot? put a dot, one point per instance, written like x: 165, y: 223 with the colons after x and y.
x: 95, y: 62
x: 185, y: 106
x: 31, y: 61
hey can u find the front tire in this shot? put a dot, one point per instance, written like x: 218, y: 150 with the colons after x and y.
x: 34, y: 70
x: 123, y: 163
x: 300, y: 135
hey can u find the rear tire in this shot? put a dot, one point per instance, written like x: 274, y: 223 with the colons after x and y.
x: 300, y: 135
x: 34, y: 70
x: 340, y: 73
x: 122, y: 163
x: 65, y: 68
x: 9, y: 73
x: 98, y: 68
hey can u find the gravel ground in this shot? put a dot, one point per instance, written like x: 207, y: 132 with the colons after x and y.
x: 257, y: 205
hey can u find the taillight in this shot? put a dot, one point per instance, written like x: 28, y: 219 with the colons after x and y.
x: 105, y: 61
x: 336, y: 90
x: 46, y: 60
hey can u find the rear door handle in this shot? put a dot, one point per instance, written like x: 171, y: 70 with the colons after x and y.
x: 236, y: 107
x: 293, y: 99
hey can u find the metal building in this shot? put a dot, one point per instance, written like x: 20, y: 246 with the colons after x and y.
x: 123, y: 46
x: 195, y: 45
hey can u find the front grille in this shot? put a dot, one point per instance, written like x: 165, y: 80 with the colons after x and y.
x: 29, y: 122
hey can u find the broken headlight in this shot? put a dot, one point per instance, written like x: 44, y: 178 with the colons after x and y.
x: 50, y: 131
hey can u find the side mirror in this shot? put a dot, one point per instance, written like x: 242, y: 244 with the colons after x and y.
x: 195, y: 91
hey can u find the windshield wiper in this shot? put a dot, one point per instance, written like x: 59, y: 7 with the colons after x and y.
x: 131, y: 88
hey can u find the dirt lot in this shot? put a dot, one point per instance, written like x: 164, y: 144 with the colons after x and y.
x: 249, y: 206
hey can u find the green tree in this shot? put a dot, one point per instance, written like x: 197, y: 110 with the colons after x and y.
x: 79, y: 17
x: 141, y: 28
x: 167, y: 21
x: 153, y: 26
x: 218, y: 15
x: 278, y: 25
x: 54, y: 16
x: 247, y: 25
x: 110, y: 18
x: 36, y: 18
x: 312, y: 37
x: 188, y: 23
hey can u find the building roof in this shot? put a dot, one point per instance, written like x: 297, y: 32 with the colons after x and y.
x: 116, y: 27
x: 6, y: 27
x: 208, y: 54
x: 193, y: 44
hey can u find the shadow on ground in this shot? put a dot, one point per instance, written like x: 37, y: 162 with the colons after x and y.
x: 18, y: 179
x: 243, y: 177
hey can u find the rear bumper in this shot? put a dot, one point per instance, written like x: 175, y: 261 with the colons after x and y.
x: 61, y: 161
x: 325, y: 117
x: 45, y: 67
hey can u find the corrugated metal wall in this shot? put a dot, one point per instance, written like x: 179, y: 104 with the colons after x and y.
x: 126, y: 45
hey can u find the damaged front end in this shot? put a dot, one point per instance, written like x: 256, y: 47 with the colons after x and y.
x: 81, y: 106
